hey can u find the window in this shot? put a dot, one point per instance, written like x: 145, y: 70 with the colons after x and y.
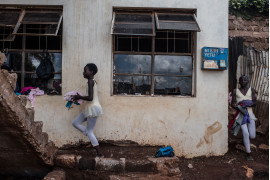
x: 153, y: 52
x: 29, y: 36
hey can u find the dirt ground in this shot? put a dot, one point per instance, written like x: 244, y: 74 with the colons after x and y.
x: 228, y: 166
x: 224, y: 167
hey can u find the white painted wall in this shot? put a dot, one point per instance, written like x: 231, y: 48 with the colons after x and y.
x: 180, y: 122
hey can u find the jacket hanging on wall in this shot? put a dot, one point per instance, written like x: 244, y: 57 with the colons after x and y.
x: 45, y: 69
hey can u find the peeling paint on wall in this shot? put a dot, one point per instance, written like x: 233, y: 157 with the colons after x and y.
x: 188, y: 115
x: 208, y: 137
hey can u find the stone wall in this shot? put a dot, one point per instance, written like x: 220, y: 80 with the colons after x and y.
x: 255, y: 32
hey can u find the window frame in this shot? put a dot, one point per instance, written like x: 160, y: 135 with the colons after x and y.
x: 192, y: 53
x: 22, y: 50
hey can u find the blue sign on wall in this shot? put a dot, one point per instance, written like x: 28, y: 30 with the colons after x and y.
x: 214, y: 58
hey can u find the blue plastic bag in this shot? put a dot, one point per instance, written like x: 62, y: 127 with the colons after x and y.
x: 165, y: 152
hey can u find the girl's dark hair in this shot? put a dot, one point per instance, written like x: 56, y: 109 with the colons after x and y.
x: 243, y: 76
x: 92, y: 67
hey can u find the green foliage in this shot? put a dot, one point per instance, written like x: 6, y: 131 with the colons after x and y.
x: 249, y: 8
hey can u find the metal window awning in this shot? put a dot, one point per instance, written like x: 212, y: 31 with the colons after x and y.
x: 133, y: 23
x: 46, y: 23
x: 49, y: 22
x: 10, y: 23
x: 176, y: 21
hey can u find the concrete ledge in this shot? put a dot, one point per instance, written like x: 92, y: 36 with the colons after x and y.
x: 110, y: 164
x: 142, y: 165
x: 86, y: 163
x: 66, y: 161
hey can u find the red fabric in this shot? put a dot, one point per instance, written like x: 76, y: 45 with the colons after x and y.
x: 26, y: 89
x: 233, y: 120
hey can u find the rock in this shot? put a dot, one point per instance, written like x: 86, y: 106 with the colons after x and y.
x: 2, y: 58
x: 252, y: 146
x: 240, y: 147
x: 264, y: 147
x: 231, y: 160
x: 23, y: 99
x: 66, y: 160
x: 250, y: 171
x: 190, y: 166
x: 167, y: 166
x: 55, y: 175
x: 11, y: 78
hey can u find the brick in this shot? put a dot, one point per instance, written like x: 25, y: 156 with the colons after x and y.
x: 257, y: 28
x: 231, y: 17
x: 265, y: 29
x: 247, y: 23
x: 231, y: 26
x: 254, y: 23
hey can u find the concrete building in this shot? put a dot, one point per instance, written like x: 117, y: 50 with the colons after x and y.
x: 149, y: 54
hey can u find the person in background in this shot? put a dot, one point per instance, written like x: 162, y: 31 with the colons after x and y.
x: 243, y: 99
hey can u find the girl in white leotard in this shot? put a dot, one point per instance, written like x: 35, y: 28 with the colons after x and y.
x: 92, y: 108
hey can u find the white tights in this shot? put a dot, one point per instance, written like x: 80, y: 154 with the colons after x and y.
x: 249, y: 131
x: 89, y: 129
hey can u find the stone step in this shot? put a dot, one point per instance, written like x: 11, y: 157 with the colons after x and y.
x: 168, y: 166
x: 86, y: 175
x: 143, y: 176
x: 56, y: 175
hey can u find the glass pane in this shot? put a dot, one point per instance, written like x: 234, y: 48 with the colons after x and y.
x: 133, y: 43
x: 173, y: 85
x: 33, y: 60
x: 183, y: 35
x: 173, y: 65
x: 145, y: 44
x: 182, y: 46
x: 137, y: 85
x: 9, y: 17
x: 161, y: 34
x: 41, y: 17
x: 54, y: 42
x: 32, y: 42
x: 123, y: 43
x: 5, y: 32
x: 13, y: 62
x: 135, y: 29
x: 17, y: 43
x: 175, y: 17
x: 46, y: 85
x: 40, y: 28
x: 132, y: 64
x: 161, y: 45
x: 171, y: 45
x: 31, y: 80
x: 177, y: 22
x: 135, y: 18
x: 184, y: 26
